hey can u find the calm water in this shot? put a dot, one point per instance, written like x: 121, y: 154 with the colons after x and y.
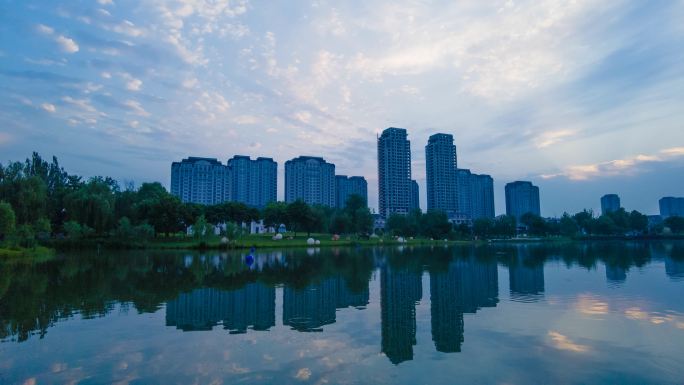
x: 515, y: 314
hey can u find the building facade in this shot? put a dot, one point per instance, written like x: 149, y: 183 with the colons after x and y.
x: 440, y: 167
x: 522, y: 197
x: 394, y: 172
x: 415, y: 196
x: 475, y: 194
x: 253, y: 182
x: 346, y: 186
x: 310, y: 179
x: 610, y: 202
x: 201, y: 180
x: 671, y: 207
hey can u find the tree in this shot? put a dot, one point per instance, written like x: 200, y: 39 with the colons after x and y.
x: 93, y: 204
x: 605, y: 226
x: 535, y: 224
x: 7, y: 220
x: 202, y: 229
x: 483, y: 227
x: 584, y: 221
x: 568, y: 226
x: 275, y: 214
x: 363, y: 221
x: 638, y: 222
x: 298, y: 216
x: 435, y: 224
x: 505, y: 226
x: 675, y: 223
x: 340, y: 223
x: 42, y: 228
x: 397, y: 224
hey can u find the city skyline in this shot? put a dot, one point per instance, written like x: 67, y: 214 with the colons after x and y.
x: 585, y: 102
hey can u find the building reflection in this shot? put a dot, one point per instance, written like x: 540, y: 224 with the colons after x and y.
x: 400, y: 289
x: 466, y: 286
x: 616, y: 274
x: 252, y: 306
x: 674, y: 268
x: 310, y: 308
x: 526, y: 277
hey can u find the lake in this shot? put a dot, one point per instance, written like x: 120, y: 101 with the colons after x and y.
x: 604, y: 312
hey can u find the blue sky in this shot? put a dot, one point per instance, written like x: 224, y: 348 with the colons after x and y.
x: 581, y: 97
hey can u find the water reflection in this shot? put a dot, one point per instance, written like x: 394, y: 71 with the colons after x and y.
x: 252, y: 306
x: 203, y: 291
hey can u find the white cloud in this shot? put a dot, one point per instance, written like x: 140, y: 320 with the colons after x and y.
x: 548, y: 138
x: 136, y: 107
x: 134, y: 85
x: 128, y: 28
x: 44, y: 29
x: 106, y: 75
x: 246, y: 119
x: 105, y: 2
x: 625, y: 166
x: 67, y: 45
x: 48, y: 107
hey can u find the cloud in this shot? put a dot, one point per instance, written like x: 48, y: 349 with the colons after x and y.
x: 562, y: 342
x: 5, y: 138
x: 134, y: 85
x: 44, y: 29
x: 548, y: 138
x: 105, y: 2
x: 303, y: 374
x: 66, y: 44
x: 625, y: 166
x: 136, y: 107
x: 48, y: 107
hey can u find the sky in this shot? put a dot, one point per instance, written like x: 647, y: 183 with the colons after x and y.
x: 580, y: 97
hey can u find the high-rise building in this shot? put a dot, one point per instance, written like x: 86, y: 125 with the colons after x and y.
x: 521, y: 198
x: 481, y: 196
x: 200, y: 180
x: 440, y: 167
x: 610, y: 202
x: 415, y: 196
x: 671, y: 207
x: 475, y: 194
x: 394, y: 172
x: 253, y: 182
x: 346, y: 186
x: 310, y: 179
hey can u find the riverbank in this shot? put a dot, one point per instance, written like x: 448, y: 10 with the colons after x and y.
x: 38, y: 253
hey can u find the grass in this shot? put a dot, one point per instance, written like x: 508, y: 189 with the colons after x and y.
x: 266, y: 241
x: 34, y: 254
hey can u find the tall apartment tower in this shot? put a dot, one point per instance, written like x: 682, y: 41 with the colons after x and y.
x: 394, y: 172
x: 440, y: 167
x: 415, y: 196
x: 482, y: 196
x: 671, y: 207
x: 200, y: 180
x: 475, y: 194
x: 310, y: 179
x: 346, y: 186
x: 610, y: 202
x: 521, y: 198
x: 253, y: 182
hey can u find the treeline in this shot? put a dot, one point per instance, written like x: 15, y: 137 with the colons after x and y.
x: 40, y: 200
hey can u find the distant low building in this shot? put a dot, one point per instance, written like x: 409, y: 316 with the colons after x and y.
x: 610, y: 203
x: 415, y: 196
x: 310, y: 179
x: 346, y: 186
x: 201, y: 180
x: 522, y: 197
x: 671, y: 206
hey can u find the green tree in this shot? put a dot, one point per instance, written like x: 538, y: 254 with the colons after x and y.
x: 26, y: 236
x: 93, y: 204
x: 202, y: 229
x: 275, y: 214
x: 584, y: 221
x: 435, y: 224
x: 638, y: 222
x: 340, y: 223
x: 42, y: 228
x: 505, y: 226
x: 568, y: 226
x: 7, y: 220
x: 675, y: 223
x: 483, y: 227
x: 298, y: 216
x: 535, y: 224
